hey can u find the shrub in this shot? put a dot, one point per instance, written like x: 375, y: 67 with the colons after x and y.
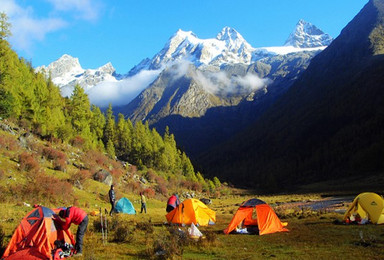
x: 197, y: 186
x: 133, y: 186
x: 95, y: 159
x: 132, y: 169
x: 168, y: 245
x: 53, y: 154
x: 58, y: 157
x: 77, y: 141
x: 48, y: 189
x: 8, y: 143
x: 123, y: 233
x: 81, y: 176
x: 145, y: 226
x: 162, y: 189
x: 117, y: 173
x: 210, y: 237
x: 28, y: 163
x: 150, y: 175
x: 149, y: 192
x: 60, y: 165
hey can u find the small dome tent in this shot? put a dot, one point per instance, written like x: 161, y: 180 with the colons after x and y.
x: 35, y: 237
x: 266, y: 219
x: 124, y: 205
x: 192, y: 211
x: 368, y: 206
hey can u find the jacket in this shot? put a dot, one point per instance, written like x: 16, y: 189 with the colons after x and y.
x: 73, y: 215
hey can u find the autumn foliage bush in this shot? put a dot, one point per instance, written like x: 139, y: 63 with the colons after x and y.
x: 58, y: 158
x: 81, y: 176
x: 94, y: 159
x: 149, y: 192
x: 8, y: 143
x: 77, y: 141
x: 53, y: 154
x: 48, y: 188
x: 28, y: 162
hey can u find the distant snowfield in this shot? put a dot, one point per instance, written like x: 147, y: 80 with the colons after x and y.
x: 284, y: 50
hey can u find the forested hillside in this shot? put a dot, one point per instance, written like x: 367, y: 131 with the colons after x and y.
x: 34, y: 103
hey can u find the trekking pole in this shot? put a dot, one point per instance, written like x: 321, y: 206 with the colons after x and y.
x: 106, y: 227
x: 101, y: 223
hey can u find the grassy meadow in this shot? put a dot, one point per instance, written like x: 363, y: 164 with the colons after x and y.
x: 51, y: 174
x: 145, y: 236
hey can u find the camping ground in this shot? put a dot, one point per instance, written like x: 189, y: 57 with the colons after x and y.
x: 145, y: 236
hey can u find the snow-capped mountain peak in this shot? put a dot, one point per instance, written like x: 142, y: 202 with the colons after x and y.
x: 229, y: 34
x: 233, y: 40
x: 66, y: 64
x: 307, y: 35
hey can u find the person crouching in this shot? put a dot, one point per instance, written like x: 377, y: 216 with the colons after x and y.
x: 78, y: 217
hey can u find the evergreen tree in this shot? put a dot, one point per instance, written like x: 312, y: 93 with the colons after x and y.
x: 97, y: 123
x: 109, y: 129
x: 6, y: 101
x: 5, y: 26
x: 80, y: 109
x: 110, y: 149
x: 124, y: 137
x: 217, y: 182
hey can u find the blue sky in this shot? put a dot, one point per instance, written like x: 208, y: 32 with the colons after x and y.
x: 126, y: 31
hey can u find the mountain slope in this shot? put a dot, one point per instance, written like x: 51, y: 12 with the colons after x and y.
x: 222, y: 68
x: 328, y: 125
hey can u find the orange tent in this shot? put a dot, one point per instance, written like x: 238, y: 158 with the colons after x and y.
x: 266, y: 219
x: 192, y: 211
x: 35, y: 236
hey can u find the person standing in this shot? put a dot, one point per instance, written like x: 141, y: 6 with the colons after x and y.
x: 143, y: 203
x: 78, y: 217
x: 112, y: 199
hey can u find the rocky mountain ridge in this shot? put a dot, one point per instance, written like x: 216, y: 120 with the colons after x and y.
x: 182, y: 49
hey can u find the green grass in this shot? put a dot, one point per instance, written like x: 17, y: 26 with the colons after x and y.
x: 312, y: 234
x: 312, y: 237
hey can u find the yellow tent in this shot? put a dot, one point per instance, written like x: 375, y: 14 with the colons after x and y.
x: 369, y: 206
x: 192, y: 211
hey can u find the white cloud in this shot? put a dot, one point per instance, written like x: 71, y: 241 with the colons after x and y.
x: 26, y: 29
x: 121, y: 92
x: 82, y: 9
x: 220, y: 83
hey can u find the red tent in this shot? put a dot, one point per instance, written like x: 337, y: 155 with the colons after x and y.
x: 266, y: 219
x: 34, y: 238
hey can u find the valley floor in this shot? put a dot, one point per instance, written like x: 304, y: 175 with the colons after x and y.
x: 145, y: 236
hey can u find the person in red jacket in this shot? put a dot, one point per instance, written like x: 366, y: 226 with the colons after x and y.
x: 78, y: 217
x: 172, y: 202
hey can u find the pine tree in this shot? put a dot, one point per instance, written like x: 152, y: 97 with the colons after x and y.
x: 110, y: 149
x: 217, y: 182
x: 109, y: 129
x: 97, y: 123
x: 6, y: 101
x: 5, y: 26
x: 124, y: 137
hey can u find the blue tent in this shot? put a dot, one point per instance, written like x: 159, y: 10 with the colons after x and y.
x: 125, y: 206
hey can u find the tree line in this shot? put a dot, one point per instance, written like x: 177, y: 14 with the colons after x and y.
x: 34, y: 102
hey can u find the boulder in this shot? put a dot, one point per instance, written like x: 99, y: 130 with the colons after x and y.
x: 103, y: 176
x: 206, y: 201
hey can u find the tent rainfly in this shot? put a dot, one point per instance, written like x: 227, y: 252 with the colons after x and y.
x: 369, y: 206
x: 266, y: 219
